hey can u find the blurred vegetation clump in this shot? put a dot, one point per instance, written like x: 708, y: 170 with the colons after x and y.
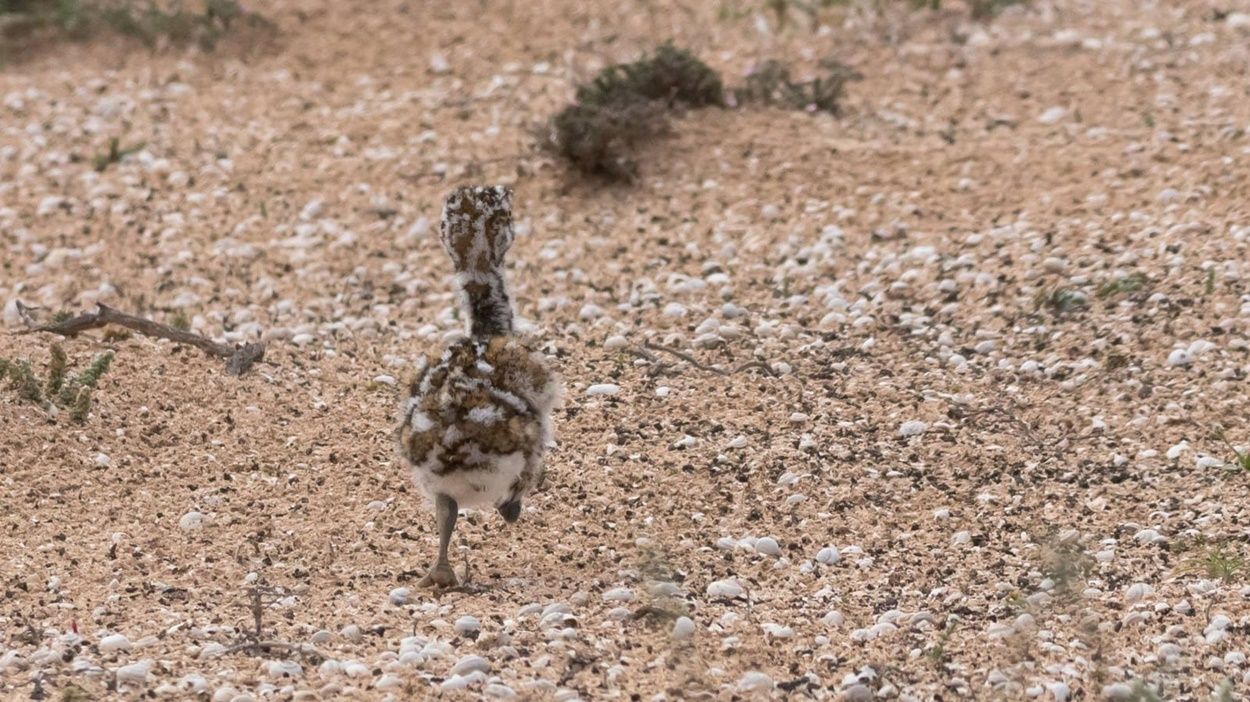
x: 782, y: 10
x: 670, y: 75
x: 627, y: 105
x: 203, y: 23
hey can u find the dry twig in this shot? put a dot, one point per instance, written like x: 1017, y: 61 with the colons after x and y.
x: 238, y: 359
x: 757, y: 365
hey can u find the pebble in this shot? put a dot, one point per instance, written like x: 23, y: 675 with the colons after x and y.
x: 470, y: 664
x: 191, y: 521
x: 135, y: 673
x: 283, y: 669
x: 912, y: 428
x: 618, y: 594
x: 683, y: 629
x: 384, y: 380
x: 725, y: 589
x: 1138, y: 592
x: 467, y: 625
x: 102, y: 460
x: 1180, y: 357
x: 756, y: 682
x: 768, y: 546
x: 399, y: 595
x: 388, y: 682
x: 439, y: 64
x: 1118, y: 691
x: 460, y: 682
x: 603, y: 389
x: 1053, y: 115
x: 499, y: 691
x: 615, y: 343
x: 113, y: 643
x: 828, y: 555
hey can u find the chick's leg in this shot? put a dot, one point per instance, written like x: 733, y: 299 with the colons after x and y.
x: 441, y: 574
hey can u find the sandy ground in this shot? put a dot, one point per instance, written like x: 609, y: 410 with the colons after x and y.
x: 1004, y: 297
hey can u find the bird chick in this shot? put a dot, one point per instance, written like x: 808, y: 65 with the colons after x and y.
x: 476, y: 418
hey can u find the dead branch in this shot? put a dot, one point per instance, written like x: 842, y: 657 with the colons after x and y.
x: 757, y: 365
x: 238, y: 358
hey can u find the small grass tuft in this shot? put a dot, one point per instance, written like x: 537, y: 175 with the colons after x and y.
x: 115, y: 154
x: 180, y: 321
x: 1218, y: 563
x: 1241, y: 459
x: 1122, y: 286
x: 770, y: 84
x: 56, y: 370
x: 988, y: 9
x: 936, y: 654
x: 57, y: 391
x: 1059, y: 300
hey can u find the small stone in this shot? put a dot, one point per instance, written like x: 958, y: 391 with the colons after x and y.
x: 615, y: 343
x: 912, y: 428
x: 113, y: 643
x: 499, y: 691
x: 683, y: 629
x: 603, y: 389
x: 399, y: 595
x: 467, y: 625
x: 388, y: 682
x: 857, y: 693
x: 725, y: 588
x: 618, y: 594
x: 1053, y: 116
x: 1138, y: 592
x: 1118, y: 691
x: 135, y: 673
x: 768, y: 546
x: 1180, y: 358
x: 102, y: 460
x: 312, y: 210
x: 470, y: 664
x: 828, y: 555
x: 191, y: 521
x: 439, y: 65
x: 756, y: 682
x: 384, y: 380
x: 283, y: 669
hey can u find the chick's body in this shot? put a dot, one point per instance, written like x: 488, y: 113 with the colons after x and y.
x: 477, y: 421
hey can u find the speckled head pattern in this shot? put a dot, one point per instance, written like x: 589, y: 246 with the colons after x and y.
x: 476, y: 233
x: 477, y: 227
